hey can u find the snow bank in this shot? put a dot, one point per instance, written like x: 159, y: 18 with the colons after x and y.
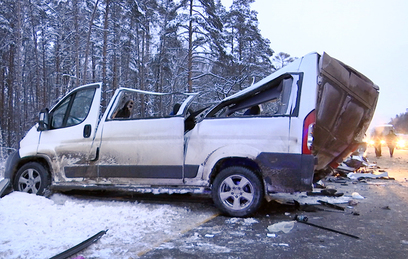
x: 36, y: 227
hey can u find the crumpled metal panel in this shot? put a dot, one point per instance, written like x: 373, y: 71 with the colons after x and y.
x: 345, y: 106
x: 284, y: 172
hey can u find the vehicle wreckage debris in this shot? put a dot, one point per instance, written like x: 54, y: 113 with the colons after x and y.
x: 371, y: 175
x: 81, y: 246
x: 303, y: 219
x: 357, y: 167
x: 330, y: 205
x: 336, y: 179
x: 306, y: 207
x: 357, y: 196
x: 326, y: 192
x: 311, y: 208
x: 285, y: 226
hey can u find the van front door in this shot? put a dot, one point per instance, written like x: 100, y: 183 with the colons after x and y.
x: 69, y: 138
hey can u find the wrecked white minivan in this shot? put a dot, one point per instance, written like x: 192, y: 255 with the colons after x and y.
x: 271, y: 137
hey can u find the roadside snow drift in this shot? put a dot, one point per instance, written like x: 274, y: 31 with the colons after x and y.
x: 36, y: 227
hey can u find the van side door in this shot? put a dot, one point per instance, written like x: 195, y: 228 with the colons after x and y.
x: 142, y: 140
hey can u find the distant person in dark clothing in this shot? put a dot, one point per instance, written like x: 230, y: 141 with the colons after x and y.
x: 377, y: 144
x: 391, y: 140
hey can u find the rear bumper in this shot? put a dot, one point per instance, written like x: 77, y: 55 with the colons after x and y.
x: 287, y: 172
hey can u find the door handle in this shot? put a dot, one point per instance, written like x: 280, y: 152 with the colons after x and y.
x: 87, y: 130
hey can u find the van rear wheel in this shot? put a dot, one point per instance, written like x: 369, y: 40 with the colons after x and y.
x: 237, y: 191
x: 31, y: 178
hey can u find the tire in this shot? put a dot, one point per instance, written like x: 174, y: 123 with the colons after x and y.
x: 237, y: 191
x: 31, y: 178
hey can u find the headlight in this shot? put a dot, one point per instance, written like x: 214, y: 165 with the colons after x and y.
x: 382, y: 142
x: 401, y: 143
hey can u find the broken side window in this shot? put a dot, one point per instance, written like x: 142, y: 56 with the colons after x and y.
x: 276, y: 98
x: 139, y: 105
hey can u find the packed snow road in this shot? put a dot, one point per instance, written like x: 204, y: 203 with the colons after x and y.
x: 37, y: 227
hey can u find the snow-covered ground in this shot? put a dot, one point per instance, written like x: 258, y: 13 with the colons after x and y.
x: 38, y: 227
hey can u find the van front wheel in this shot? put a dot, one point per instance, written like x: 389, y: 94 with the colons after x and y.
x: 31, y: 178
x: 237, y: 191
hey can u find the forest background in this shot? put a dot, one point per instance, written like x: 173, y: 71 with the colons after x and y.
x: 49, y: 47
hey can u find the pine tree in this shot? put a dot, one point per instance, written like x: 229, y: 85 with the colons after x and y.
x: 48, y: 47
x: 202, y: 27
x: 248, y: 54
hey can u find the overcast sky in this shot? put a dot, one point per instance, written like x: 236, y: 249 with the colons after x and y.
x: 369, y: 35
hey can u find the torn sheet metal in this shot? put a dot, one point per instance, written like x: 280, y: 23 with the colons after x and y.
x: 302, y: 198
x: 356, y: 176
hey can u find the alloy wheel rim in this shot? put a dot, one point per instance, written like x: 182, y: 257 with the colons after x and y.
x: 29, y: 181
x: 236, y: 192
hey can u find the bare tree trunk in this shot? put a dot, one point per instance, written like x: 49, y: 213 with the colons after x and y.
x: 10, y: 88
x: 58, y: 82
x: 116, y: 43
x: 2, y: 97
x: 190, y: 49
x: 76, y: 10
x: 46, y: 88
x: 128, y: 71
x: 93, y: 64
x: 88, y: 39
x: 19, y: 105
x: 142, y: 73
x: 36, y: 56
x: 104, y: 53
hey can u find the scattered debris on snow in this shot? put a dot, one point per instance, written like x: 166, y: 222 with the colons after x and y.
x: 356, y: 176
x: 284, y: 226
x: 37, y: 227
x: 357, y: 196
x: 303, y: 198
x: 304, y: 220
x: 242, y: 221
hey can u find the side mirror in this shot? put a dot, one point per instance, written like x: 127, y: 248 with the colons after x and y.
x: 43, y: 122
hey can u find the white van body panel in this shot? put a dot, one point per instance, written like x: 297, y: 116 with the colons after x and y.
x: 211, y: 140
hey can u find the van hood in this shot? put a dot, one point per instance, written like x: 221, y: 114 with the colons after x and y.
x: 346, y: 101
